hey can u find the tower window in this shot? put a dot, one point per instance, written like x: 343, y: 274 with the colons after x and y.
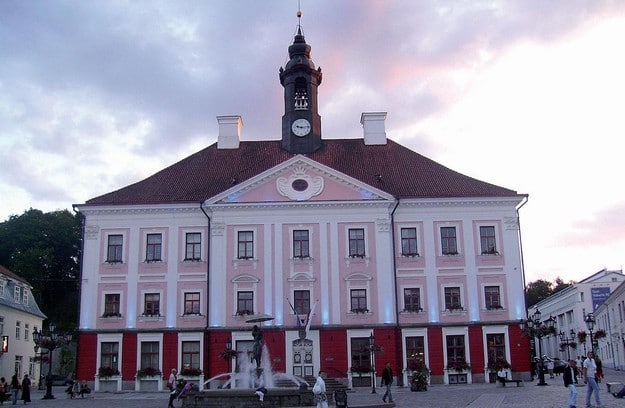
x: 301, y: 95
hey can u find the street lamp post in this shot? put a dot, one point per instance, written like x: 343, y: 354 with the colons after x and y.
x: 590, y: 323
x: 229, y: 348
x: 534, y: 327
x: 41, y: 354
x: 50, y: 340
x: 372, y: 350
x: 567, y: 341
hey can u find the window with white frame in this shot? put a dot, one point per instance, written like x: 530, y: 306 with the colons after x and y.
x: 452, y: 298
x: 245, y: 244
x: 193, y: 246
x: 356, y: 242
x: 1, y: 324
x: 18, y: 330
x: 301, y: 301
x: 150, y: 355
x: 488, y: 242
x: 114, y: 248
x: 26, y: 331
x: 496, y: 347
x: 112, y: 305
x: 301, y: 244
x: 154, y: 247
x: 409, y: 242
x: 245, y: 302
x: 17, y: 294
x: 192, y: 303
x: 358, y: 300
x: 449, y: 244
x: 456, y: 352
x: 412, y: 300
x: 191, y: 355
x: 492, y: 297
x: 25, y: 296
x: 152, y: 304
x: 109, y: 357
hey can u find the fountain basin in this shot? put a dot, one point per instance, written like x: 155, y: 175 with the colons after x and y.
x: 247, y: 398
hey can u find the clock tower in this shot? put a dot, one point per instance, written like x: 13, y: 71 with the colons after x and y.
x: 301, y: 123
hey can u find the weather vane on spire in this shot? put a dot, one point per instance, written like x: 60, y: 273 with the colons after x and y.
x: 299, y: 12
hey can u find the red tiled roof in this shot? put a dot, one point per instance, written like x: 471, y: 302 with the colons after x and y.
x: 402, y: 173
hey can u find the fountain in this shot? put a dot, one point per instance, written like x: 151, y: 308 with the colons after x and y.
x: 254, y: 382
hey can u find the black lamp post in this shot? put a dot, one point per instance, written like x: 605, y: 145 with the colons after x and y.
x: 372, y: 350
x: 229, y: 348
x: 534, y: 327
x: 567, y: 341
x: 590, y: 323
x: 50, y: 341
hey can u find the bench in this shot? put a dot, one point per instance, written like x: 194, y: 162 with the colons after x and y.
x: 519, y: 382
x: 614, y: 386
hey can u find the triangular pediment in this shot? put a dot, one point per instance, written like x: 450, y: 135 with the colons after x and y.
x: 300, y: 179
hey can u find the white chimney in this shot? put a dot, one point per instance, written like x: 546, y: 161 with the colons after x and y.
x: 229, y: 132
x: 373, y: 126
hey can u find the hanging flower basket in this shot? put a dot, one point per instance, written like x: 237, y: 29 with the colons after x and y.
x: 600, y: 334
x: 228, y: 354
x: 581, y: 336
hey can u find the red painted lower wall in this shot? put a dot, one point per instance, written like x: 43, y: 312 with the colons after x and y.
x: 86, y: 356
x: 170, y: 353
x: 129, y: 359
x: 519, y: 349
x: 476, y: 348
x: 435, y: 350
x: 334, y: 358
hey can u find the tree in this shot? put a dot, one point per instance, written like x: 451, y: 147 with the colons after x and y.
x: 537, y: 291
x: 542, y: 289
x: 44, y: 249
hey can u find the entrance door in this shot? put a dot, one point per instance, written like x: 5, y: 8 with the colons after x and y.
x: 303, y: 358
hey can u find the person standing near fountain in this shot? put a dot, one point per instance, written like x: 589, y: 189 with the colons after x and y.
x: 171, y: 384
x: 257, y: 334
x: 319, y: 390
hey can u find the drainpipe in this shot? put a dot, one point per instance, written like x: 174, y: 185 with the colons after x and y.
x: 400, y: 368
x: 518, y: 217
x: 208, y: 258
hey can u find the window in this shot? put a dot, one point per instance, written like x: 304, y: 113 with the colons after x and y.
x: 409, y: 242
x: 448, y: 241
x: 455, y: 351
x: 18, y: 330
x: 358, y: 299
x: 151, y: 306
x: 245, y: 245
x: 109, y: 352
x: 114, y: 250
x: 192, y: 303
x: 300, y: 244
x: 415, y: 351
x: 191, y: 354
x: 26, y: 331
x: 496, y: 347
x: 1, y: 324
x: 25, y: 296
x: 149, y: 355
x: 452, y: 298
x: 154, y: 247
x: 17, y: 294
x: 111, y: 305
x: 2, y: 287
x: 412, y: 300
x: 245, y: 303
x: 356, y: 242
x: 361, y: 355
x: 487, y: 240
x: 193, y: 248
x: 492, y: 298
x: 301, y: 300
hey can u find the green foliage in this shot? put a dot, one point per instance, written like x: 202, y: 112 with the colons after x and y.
x: 542, y: 289
x: 44, y: 249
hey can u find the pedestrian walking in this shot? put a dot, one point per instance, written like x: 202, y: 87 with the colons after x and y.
x: 15, y: 388
x: 387, y: 381
x: 172, y: 385
x: 26, y: 389
x: 570, y: 381
x: 319, y: 390
x: 590, y: 371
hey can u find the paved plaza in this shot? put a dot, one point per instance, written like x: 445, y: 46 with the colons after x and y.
x: 438, y: 396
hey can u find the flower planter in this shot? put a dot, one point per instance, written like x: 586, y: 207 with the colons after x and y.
x: 108, y: 384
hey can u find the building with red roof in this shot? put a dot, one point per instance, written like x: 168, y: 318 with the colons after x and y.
x: 324, y: 244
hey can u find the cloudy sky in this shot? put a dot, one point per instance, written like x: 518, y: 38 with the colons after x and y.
x: 526, y: 94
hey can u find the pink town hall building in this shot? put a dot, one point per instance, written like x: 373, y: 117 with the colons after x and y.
x: 334, y: 240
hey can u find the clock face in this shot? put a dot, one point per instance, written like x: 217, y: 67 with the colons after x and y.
x: 301, y: 127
